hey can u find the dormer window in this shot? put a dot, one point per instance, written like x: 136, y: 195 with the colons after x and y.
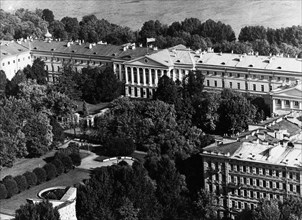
x: 94, y: 52
x: 73, y: 51
x: 35, y: 48
x: 177, y: 61
x: 251, y: 65
x: 146, y: 60
x: 52, y: 49
x: 200, y: 61
x: 223, y: 63
x: 279, y: 67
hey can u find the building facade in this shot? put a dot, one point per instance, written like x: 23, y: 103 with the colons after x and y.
x: 13, y: 57
x: 140, y: 68
x: 265, y: 162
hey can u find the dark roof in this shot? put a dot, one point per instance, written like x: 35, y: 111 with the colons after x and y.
x: 224, y: 148
x: 291, y: 128
x: 130, y: 54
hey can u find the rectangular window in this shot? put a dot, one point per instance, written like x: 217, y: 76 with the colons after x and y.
x: 215, y: 73
x: 262, y: 77
x: 222, y: 84
x: 3, y: 64
x: 279, y: 78
x: 18, y: 60
x: 215, y: 83
x: 238, y: 85
x: 222, y: 73
x: 262, y: 88
x: 238, y: 75
x: 246, y: 76
x: 270, y: 88
x: 254, y: 87
x: 208, y: 82
x: 231, y: 84
x: 29, y: 57
x: 8, y: 62
x: 208, y: 72
x: 230, y: 74
x: 287, y: 79
x: 14, y: 61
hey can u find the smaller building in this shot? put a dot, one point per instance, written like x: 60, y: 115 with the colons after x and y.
x: 263, y: 162
x: 287, y: 98
x: 13, y: 57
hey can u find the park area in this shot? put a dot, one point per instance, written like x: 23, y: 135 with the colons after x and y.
x: 89, y: 161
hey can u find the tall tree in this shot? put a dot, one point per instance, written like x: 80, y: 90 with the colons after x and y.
x: 47, y: 15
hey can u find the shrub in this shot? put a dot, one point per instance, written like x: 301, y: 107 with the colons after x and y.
x: 21, y: 182
x: 119, y: 147
x: 3, y: 191
x: 76, y: 159
x: 72, y: 148
x: 67, y: 162
x: 59, y: 166
x: 42, y: 210
x: 50, y: 170
x: 11, y: 186
x: 31, y: 178
x: 41, y: 175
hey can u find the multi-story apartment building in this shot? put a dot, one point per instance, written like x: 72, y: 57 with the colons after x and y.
x: 13, y: 57
x: 264, y: 162
x: 140, y: 68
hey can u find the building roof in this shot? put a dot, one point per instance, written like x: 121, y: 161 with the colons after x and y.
x: 272, y: 63
x: 10, y: 48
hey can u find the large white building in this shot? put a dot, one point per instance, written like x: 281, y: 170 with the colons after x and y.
x: 13, y: 57
x: 274, y: 77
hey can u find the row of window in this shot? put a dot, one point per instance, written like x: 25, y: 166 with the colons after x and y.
x: 14, y: 61
x: 264, y: 171
x: 246, y: 76
x: 263, y: 183
x: 86, y: 62
x: 238, y: 85
x: 287, y: 103
x: 140, y: 92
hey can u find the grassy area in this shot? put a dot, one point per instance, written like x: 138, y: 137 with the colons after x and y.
x: 69, y: 179
x: 25, y: 164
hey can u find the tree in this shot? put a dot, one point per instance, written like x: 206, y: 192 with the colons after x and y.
x: 12, y: 87
x: 40, y: 174
x: 127, y: 211
x: 72, y: 27
x: 252, y: 33
x: 50, y: 170
x: 37, y: 71
x: 235, y: 113
x: 119, y: 147
x: 57, y: 29
x: 38, y: 211
x: 47, y: 15
x: 31, y: 178
x: 10, y: 185
x: 21, y: 182
x: 169, y: 185
x: 3, y: 81
x: 205, y: 206
x: 167, y: 91
x: 3, y: 191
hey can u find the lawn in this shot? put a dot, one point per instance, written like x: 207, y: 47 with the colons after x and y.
x: 69, y: 179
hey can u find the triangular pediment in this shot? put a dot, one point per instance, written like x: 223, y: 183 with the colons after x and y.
x: 290, y: 92
x: 146, y: 61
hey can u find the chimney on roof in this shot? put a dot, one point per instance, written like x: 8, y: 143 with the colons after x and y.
x: 68, y: 44
x: 140, y: 45
x: 220, y: 53
x: 155, y: 48
x: 232, y: 51
x: 296, y: 56
x: 90, y: 46
x: 257, y: 53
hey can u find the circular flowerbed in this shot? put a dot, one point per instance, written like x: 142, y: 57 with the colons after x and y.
x: 53, y: 193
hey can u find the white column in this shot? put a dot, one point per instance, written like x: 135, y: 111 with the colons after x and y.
x: 132, y: 76
x: 291, y: 104
x: 114, y: 68
x: 274, y: 105
x: 138, y: 76
x: 282, y: 104
x: 150, y: 77
x: 144, y: 76
x: 120, y: 72
x: 126, y: 75
x: 156, y: 77
x: 300, y: 105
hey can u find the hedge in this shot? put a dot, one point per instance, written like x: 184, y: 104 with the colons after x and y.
x: 59, y: 166
x: 41, y: 175
x: 31, y: 178
x: 11, y: 186
x: 67, y: 162
x: 50, y: 170
x: 72, y: 148
x: 76, y: 159
x: 21, y: 182
x: 3, y: 191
